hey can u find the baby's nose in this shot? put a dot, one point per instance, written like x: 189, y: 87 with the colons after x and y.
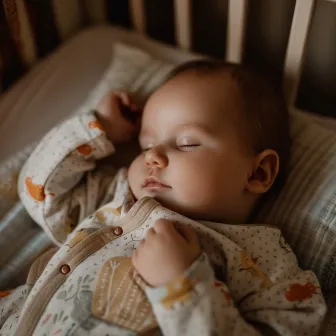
x: 156, y: 158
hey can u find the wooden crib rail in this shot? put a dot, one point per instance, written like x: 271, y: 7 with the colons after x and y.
x: 236, y: 30
x: 235, y: 34
x: 296, y: 46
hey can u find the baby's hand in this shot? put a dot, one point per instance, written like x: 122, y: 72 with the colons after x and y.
x: 165, y: 253
x: 119, y: 116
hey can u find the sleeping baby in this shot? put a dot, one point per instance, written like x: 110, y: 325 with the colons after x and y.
x: 164, y: 247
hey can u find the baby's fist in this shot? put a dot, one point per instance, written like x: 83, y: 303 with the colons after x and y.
x: 118, y: 115
x: 165, y: 253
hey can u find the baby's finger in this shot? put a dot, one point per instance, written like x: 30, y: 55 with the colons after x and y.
x: 131, y: 115
x: 150, y: 233
x: 134, y: 108
x: 128, y: 114
x: 123, y: 97
x: 163, y: 225
x: 189, y: 234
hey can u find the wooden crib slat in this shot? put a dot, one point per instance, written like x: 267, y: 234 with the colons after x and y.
x: 137, y: 14
x: 296, y: 47
x: 237, y: 15
x: 183, y: 23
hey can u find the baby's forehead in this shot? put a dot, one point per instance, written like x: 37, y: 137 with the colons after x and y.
x: 192, y: 96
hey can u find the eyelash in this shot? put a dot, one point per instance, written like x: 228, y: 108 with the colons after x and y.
x: 185, y: 148
x: 188, y: 147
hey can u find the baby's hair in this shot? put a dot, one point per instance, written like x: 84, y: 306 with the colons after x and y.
x: 262, y: 103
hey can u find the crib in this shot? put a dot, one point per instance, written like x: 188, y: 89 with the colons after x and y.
x: 65, y: 53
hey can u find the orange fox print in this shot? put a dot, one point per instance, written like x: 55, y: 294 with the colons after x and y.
x: 36, y: 191
x: 102, y: 214
x: 298, y: 292
x: 177, y: 291
x: 96, y: 124
x: 5, y: 293
x: 249, y: 265
x: 85, y: 149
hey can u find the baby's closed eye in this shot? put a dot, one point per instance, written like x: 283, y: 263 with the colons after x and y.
x: 187, y: 144
x: 187, y: 148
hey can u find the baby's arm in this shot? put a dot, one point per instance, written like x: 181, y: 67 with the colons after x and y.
x: 185, y: 296
x: 187, y: 299
x: 60, y: 183
x: 198, y: 304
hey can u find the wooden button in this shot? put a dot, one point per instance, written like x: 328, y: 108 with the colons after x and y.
x: 65, y: 269
x: 118, y: 231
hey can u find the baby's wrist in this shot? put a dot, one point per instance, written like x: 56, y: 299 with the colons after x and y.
x: 180, y: 272
x: 199, y: 273
x: 106, y: 124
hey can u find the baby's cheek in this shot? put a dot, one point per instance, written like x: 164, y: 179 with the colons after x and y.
x: 197, y: 187
x: 135, y: 177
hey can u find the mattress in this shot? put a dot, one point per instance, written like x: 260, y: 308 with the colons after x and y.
x: 59, y: 84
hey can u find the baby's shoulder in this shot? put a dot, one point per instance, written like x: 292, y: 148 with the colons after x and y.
x: 261, y: 237
x: 257, y: 239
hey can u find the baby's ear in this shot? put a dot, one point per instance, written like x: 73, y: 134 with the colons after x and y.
x: 265, y: 171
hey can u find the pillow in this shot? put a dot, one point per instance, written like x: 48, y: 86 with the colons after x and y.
x: 305, y: 209
x: 131, y: 69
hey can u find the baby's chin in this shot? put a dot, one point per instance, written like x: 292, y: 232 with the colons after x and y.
x: 171, y: 203
x: 169, y: 200
x: 159, y: 196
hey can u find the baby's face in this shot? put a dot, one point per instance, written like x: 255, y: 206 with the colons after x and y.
x: 194, y: 160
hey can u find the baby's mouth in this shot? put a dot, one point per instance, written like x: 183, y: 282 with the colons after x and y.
x: 154, y: 183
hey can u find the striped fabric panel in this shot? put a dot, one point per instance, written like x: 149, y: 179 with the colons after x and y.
x: 15, y: 273
x: 306, y: 207
x: 21, y: 241
x: 9, y: 172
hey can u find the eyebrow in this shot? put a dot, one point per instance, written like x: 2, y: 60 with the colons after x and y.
x: 194, y: 126
x: 199, y: 127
